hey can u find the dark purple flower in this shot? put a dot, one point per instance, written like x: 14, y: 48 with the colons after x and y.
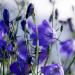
x: 6, y: 16
x: 22, y: 50
x: 24, y: 66
x: 19, y: 67
x: 3, y: 44
x: 42, y: 55
x: 53, y: 69
x: 46, y: 34
x: 30, y: 10
x: 23, y: 23
x: 31, y: 26
x: 1, y: 35
x: 3, y: 51
x: 9, y: 47
x: 15, y: 69
x: 67, y: 46
x: 3, y: 28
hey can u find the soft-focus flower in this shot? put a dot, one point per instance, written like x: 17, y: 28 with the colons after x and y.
x: 9, y: 47
x: 5, y: 49
x: 3, y: 44
x: 53, y: 69
x: 14, y: 68
x: 46, y: 34
x: 6, y: 16
x: 19, y: 67
x: 3, y: 27
x: 22, y: 50
x: 30, y: 10
x: 42, y: 55
x: 1, y: 35
x: 67, y: 46
x: 23, y: 22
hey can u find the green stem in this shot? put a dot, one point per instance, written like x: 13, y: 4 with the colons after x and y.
x: 3, y: 69
x: 3, y: 64
x: 70, y: 64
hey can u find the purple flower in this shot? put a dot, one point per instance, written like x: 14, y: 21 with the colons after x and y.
x: 30, y: 10
x: 42, y: 55
x: 67, y: 46
x: 46, y: 34
x: 14, y: 68
x: 5, y: 47
x: 23, y: 22
x: 3, y: 27
x: 9, y: 47
x: 6, y: 16
x: 3, y: 44
x: 22, y: 50
x: 53, y: 69
x: 19, y: 67
x: 1, y: 35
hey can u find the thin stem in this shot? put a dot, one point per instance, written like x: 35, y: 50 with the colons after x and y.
x: 70, y: 64
x: 58, y: 54
x: 48, y: 55
x: 3, y: 68
x: 3, y: 63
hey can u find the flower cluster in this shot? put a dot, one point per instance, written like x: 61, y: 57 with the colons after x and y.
x: 23, y: 56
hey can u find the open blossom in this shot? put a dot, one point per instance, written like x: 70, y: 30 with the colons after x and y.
x: 46, y: 34
x: 3, y: 27
x: 53, y: 69
x: 19, y: 68
x: 22, y: 65
x: 5, y: 47
x: 68, y: 46
x: 42, y: 55
x: 22, y: 50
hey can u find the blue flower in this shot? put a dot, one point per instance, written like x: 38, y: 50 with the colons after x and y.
x: 9, y: 47
x: 1, y: 35
x: 30, y: 10
x: 22, y: 65
x: 5, y: 48
x: 3, y: 28
x: 46, y: 34
x: 67, y: 46
x: 22, y: 50
x: 14, y: 68
x: 6, y: 16
x: 23, y: 22
x: 42, y: 55
x: 53, y: 69
x: 19, y: 67
x: 3, y: 44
